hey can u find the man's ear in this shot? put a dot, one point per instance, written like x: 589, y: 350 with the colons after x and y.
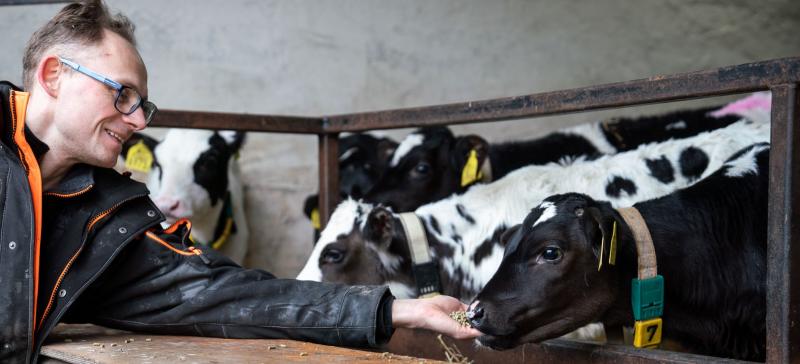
x: 469, y: 153
x: 135, y: 139
x: 380, y: 227
x: 48, y: 75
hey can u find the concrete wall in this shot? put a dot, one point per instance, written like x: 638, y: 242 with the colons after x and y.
x: 338, y: 56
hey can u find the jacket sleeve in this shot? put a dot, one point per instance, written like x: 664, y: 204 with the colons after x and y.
x: 161, y: 284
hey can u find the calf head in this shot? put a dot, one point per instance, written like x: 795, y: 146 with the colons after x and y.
x: 362, y: 159
x: 362, y: 244
x: 427, y: 166
x: 190, y: 171
x: 548, y: 283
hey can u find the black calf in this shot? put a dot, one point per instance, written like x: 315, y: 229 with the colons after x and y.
x: 710, y: 243
x: 428, y: 165
x: 362, y: 159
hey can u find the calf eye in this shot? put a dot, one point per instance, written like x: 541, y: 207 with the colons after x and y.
x: 421, y: 170
x: 552, y: 254
x: 332, y: 256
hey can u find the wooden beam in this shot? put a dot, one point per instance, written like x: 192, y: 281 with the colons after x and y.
x: 783, y: 244
x: 328, y: 176
x: 248, y: 122
x: 717, y: 82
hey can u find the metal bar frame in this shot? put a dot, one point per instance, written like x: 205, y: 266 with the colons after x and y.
x: 32, y: 2
x: 781, y: 76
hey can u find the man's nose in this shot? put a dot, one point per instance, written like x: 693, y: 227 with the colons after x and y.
x: 136, y: 120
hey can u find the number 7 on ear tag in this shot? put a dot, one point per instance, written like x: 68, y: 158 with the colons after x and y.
x: 647, y: 334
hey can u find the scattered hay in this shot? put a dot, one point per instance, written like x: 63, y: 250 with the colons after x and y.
x: 452, y: 353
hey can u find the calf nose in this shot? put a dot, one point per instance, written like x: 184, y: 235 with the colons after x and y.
x: 475, y: 315
x: 167, y: 204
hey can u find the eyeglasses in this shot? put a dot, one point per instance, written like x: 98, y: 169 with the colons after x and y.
x: 127, y: 99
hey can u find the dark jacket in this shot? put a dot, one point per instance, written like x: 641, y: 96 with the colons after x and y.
x: 103, y: 258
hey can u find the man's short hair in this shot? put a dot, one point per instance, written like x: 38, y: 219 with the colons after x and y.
x: 77, y: 24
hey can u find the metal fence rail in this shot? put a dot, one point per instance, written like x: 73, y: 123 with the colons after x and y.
x: 781, y: 76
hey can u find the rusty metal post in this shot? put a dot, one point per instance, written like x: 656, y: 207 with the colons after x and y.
x: 328, y: 175
x: 783, y: 243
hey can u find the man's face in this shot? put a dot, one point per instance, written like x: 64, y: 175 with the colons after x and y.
x: 89, y: 128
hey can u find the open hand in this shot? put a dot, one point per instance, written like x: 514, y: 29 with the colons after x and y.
x: 432, y: 314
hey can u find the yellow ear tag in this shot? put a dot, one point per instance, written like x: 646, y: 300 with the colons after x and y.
x: 315, y: 219
x: 602, y: 249
x: 612, y: 249
x: 139, y: 158
x: 470, y: 173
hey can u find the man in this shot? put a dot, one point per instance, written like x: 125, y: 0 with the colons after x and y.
x: 80, y: 243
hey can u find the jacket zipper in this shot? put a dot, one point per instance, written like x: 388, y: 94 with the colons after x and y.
x: 12, y: 102
x: 70, y: 195
x: 191, y: 250
x: 13, y: 105
x: 89, y: 227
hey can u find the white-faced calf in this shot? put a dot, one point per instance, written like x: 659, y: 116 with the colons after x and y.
x: 194, y: 175
x: 710, y: 245
x: 430, y: 164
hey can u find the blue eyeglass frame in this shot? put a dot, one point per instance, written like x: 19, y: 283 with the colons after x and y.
x: 148, y: 107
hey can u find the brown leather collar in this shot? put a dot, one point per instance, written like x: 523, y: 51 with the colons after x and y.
x: 644, y: 242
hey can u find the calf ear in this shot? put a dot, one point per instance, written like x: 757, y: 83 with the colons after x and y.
x: 507, y: 235
x: 234, y: 139
x: 310, y: 204
x: 380, y: 227
x: 599, y: 228
x: 465, y: 161
x: 386, y: 148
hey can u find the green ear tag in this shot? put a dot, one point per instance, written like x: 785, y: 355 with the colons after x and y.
x: 470, y: 173
x: 647, y: 297
x: 139, y: 158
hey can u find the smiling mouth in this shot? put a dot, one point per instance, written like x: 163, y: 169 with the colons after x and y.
x: 114, y: 135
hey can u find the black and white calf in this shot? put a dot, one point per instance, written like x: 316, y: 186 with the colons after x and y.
x: 428, y: 165
x: 366, y: 244
x: 194, y: 175
x: 362, y: 159
x: 710, y: 244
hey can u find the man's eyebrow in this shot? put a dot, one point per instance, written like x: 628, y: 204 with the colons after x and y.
x: 127, y: 83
